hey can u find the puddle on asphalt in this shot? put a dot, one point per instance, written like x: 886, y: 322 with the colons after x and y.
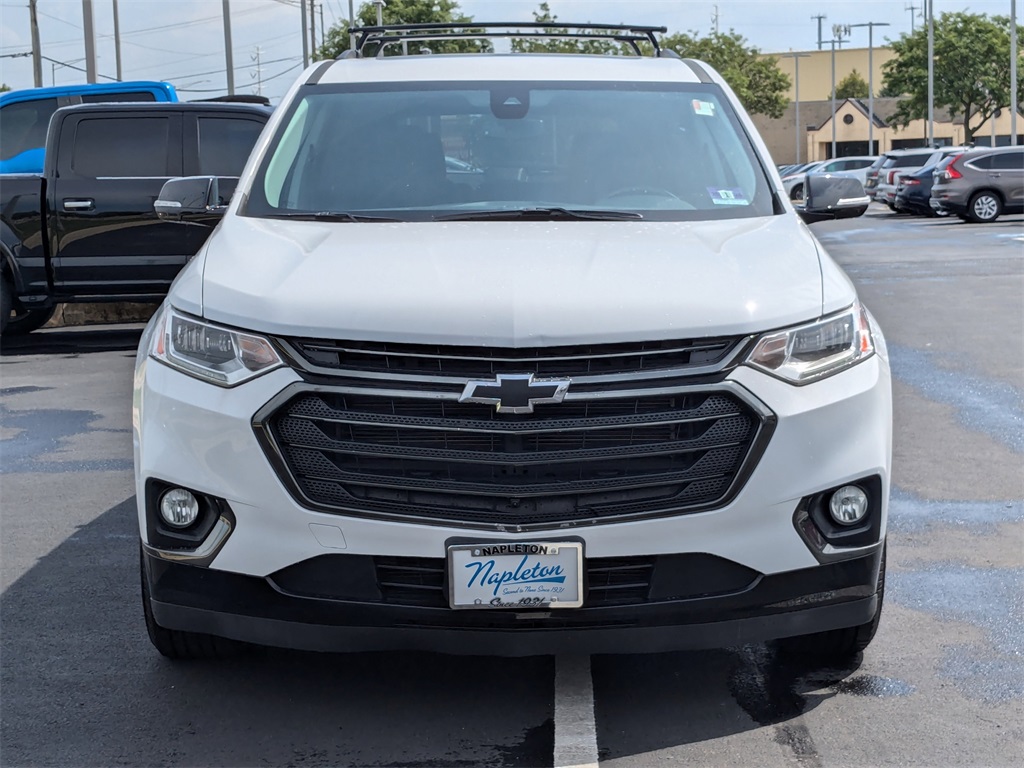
x: 872, y: 685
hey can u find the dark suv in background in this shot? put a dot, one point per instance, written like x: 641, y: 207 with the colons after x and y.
x: 982, y: 184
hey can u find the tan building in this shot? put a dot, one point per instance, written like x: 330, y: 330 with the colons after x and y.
x: 852, y: 130
x: 816, y: 69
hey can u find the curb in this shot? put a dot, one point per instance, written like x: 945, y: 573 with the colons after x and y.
x: 97, y: 314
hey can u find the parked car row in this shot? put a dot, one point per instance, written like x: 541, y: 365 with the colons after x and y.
x: 974, y: 184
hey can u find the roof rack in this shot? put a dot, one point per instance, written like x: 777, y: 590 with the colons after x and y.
x: 383, y: 36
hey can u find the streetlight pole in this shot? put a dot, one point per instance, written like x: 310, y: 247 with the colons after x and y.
x: 229, y: 61
x: 929, y: 4
x: 1013, y: 73
x: 796, y: 95
x: 871, y: 80
x: 90, y: 41
x: 117, y: 42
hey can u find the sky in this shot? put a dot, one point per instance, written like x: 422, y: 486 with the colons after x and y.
x: 182, y: 41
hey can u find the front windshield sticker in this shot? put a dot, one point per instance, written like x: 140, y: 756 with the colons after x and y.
x: 706, y: 108
x: 733, y: 196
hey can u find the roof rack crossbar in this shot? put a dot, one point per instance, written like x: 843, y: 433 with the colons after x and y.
x: 480, y: 29
x: 386, y: 40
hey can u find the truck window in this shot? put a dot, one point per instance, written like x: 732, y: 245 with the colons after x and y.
x: 225, y: 144
x: 23, y: 126
x: 131, y: 146
x: 100, y: 98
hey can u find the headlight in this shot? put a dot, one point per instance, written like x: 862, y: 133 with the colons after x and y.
x: 816, y: 350
x: 219, y: 355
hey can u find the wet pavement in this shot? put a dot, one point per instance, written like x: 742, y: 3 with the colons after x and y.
x: 942, y: 684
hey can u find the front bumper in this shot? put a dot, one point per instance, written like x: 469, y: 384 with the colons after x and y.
x: 193, y: 434
x: 258, y: 610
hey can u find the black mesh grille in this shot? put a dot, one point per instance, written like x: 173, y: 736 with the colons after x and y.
x: 422, y: 581
x: 471, y: 362
x: 575, y: 461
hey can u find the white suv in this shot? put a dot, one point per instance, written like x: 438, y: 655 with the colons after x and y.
x: 605, y: 393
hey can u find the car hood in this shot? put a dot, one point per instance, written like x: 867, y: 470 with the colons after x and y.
x: 515, y: 283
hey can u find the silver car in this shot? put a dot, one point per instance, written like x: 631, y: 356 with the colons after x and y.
x: 982, y: 184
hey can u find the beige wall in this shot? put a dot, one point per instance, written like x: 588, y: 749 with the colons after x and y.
x: 780, y: 134
x: 816, y: 70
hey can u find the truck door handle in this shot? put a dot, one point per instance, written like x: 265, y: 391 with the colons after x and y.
x: 79, y: 204
x: 995, y: 175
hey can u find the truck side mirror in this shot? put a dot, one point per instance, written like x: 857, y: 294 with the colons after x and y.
x: 832, y: 196
x: 194, y: 196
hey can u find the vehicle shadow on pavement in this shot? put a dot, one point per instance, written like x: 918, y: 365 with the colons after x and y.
x: 80, y: 339
x: 83, y: 686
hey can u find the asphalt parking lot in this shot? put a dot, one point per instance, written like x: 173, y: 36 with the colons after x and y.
x: 943, y: 683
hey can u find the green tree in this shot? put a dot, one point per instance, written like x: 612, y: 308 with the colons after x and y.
x: 403, y: 12
x: 4, y: 87
x: 853, y: 86
x: 972, y: 70
x: 561, y: 45
x: 757, y: 80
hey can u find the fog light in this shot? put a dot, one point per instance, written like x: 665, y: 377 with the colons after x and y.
x: 848, y: 505
x: 179, y: 508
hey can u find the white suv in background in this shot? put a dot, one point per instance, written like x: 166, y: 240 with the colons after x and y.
x: 605, y: 393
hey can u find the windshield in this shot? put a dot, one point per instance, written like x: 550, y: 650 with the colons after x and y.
x: 424, y: 151
x: 23, y: 126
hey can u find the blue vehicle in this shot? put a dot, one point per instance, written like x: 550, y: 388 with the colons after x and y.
x: 25, y: 115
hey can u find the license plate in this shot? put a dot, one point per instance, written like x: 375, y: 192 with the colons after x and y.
x: 516, y: 575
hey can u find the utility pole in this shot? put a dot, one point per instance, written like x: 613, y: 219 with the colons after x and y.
x: 380, y: 12
x: 1013, y: 73
x: 305, y: 40
x: 911, y: 7
x: 820, y: 18
x: 117, y: 42
x: 796, y: 96
x: 351, y: 24
x: 90, y: 42
x: 37, y: 53
x: 312, y: 28
x: 714, y: 19
x: 871, y: 80
x: 930, y: 5
x: 229, y: 61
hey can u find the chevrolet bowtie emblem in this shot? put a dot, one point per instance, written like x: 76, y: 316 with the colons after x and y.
x: 514, y: 392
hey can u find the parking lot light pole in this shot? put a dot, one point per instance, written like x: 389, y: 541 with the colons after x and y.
x: 796, y: 95
x: 871, y: 80
x: 931, y: 72
x: 1013, y: 73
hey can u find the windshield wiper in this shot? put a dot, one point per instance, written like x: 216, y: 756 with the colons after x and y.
x: 327, y: 216
x: 539, y: 214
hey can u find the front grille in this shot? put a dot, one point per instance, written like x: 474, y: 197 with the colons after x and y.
x: 421, y: 582
x: 474, y: 362
x: 580, y: 461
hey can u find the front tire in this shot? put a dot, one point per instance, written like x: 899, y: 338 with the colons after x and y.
x: 6, y: 303
x: 985, y: 207
x: 19, y: 321
x: 796, y: 194
x: 842, y: 644
x: 179, y: 645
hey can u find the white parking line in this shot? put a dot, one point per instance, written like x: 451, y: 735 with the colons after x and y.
x: 575, y: 727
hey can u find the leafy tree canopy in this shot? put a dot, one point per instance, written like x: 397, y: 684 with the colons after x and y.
x: 758, y: 82
x: 403, y: 12
x: 561, y: 45
x: 972, y: 70
x: 853, y: 86
x: 4, y: 87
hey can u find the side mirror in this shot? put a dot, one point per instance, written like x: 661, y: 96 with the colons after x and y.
x: 194, y: 197
x: 830, y: 196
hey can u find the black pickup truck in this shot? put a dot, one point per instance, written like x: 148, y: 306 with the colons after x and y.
x: 85, y: 231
